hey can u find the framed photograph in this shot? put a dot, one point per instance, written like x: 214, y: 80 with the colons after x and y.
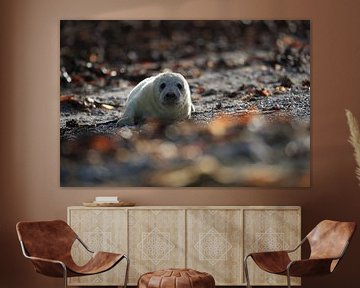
x: 185, y: 103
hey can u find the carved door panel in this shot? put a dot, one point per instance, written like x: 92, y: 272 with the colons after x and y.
x: 156, y: 240
x: 269, y: 230
x: 214, y: 244
x: 101, y: 230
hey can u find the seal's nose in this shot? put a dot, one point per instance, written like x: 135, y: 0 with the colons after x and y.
x: 170, y: 96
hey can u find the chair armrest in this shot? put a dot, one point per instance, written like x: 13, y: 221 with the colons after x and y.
x: 49, y: 267
x: 268, y: 253
x: 45, y: 260
x: 84, y: 245
x: 280, y: 251
x: 298, y: 246
x: 309, y: 267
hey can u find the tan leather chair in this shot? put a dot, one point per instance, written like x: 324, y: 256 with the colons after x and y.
x: 328, y: 242
x: 48, y: 245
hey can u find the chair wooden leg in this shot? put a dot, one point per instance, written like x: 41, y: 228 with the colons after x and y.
x: 127, y: 271
x: 246, y: 271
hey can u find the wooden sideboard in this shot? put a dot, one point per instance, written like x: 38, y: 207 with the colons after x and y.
x: 212, y: 239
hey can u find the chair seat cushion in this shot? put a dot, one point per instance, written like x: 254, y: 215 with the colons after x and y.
x: 176, y: 278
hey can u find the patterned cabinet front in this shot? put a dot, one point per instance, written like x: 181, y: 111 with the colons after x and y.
x: 208, y: 239
x: 101, y: 230
x: 214, y: 244
x: 270, y: 230
x: 156, y: 240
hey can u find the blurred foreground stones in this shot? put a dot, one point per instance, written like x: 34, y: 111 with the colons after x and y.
x: 230, y: 151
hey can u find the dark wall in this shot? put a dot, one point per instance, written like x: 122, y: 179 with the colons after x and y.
x: 29, y: 51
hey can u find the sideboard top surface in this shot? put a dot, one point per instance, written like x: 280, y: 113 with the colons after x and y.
x: 192, y: 207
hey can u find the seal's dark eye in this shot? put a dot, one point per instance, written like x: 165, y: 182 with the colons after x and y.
x: 179, y: 86
x: 162, y: 86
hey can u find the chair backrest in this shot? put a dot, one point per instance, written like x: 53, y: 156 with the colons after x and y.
x: 46, y: 239
x: 329, y: 239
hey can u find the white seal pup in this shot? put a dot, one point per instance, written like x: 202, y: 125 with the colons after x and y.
x: 165, y: 97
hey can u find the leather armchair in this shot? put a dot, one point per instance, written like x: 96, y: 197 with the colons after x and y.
x: 48, y: 245
x: 328, y: 242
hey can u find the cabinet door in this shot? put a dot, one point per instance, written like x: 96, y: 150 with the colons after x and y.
x: 270, y: 230
x: 214, y: 244
x: 101, y: 230
x: 156, y: 240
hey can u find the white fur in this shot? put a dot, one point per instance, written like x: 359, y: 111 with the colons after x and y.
x: 150, y: 99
